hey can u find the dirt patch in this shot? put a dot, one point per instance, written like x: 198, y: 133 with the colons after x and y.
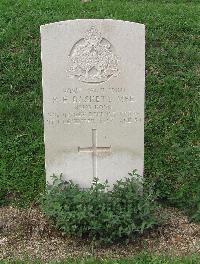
x: 28, y: 234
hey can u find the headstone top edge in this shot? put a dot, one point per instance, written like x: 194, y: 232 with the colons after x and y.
x: 43, y: 27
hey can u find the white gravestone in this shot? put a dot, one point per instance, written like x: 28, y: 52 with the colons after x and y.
x: 93, y: 77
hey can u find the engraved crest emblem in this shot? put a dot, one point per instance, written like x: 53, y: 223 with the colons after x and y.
x: 92, y: 59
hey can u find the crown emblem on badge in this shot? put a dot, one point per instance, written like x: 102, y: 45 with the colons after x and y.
x: 92, y: 59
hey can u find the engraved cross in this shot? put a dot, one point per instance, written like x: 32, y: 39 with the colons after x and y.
x: 94, y: 150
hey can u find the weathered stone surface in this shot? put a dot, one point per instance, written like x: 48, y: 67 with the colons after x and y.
x: 93, y: 78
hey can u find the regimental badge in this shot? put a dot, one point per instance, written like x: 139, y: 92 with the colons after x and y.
x: 92, y: 59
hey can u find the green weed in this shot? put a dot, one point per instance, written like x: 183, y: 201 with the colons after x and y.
x: 99, y: 214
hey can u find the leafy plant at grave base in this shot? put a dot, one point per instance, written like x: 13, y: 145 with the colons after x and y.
x: 196, y: 215
x: 196, y: 211
x: 99, y: 214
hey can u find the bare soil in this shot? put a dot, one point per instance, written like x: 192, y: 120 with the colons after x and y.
x: 28, y: 234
